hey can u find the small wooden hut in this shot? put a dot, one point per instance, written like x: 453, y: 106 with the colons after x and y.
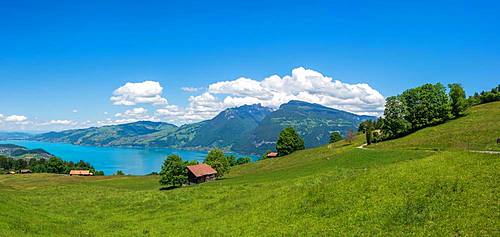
x: 200, y: 173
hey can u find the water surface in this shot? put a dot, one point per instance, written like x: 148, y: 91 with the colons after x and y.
x: 137, y: 161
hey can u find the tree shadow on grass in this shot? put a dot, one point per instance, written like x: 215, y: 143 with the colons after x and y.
x: 168, y: 188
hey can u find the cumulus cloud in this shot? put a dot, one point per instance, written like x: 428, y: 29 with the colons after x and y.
x: 75, y: 111
x: 304, y: 84
x: 16, y: 118
x: 273, y: 91
x: 146, y: 92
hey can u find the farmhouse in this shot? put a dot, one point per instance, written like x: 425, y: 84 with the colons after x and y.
x: 80, y: 173
x: 25, y: 171
x: 272, y: 154
x: 200, y: 173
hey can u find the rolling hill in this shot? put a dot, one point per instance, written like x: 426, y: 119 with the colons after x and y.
x: 15, y: 151
x: 250, y: 129
x: 478, y: 130
x: 112, y: 135
x: 331, y: 190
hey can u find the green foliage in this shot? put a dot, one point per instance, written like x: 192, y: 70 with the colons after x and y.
x: 335, y: 137
x: 119, y: 172
x: 416, y: 108
x: 458, y: 101
x: 243, y: 160
x: 99, y: 173
x: 217, y: 160
x: 478, y: 130
x: 288, y: 142
x: 394, y: 121
x: 173, y: 171
x: 485, y: 97
x: 232, y: 160
x: 426, y: 105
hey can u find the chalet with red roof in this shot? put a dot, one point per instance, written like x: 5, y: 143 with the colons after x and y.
x: 200, y: 173
x: 272, y: 154
x: 80, y: 173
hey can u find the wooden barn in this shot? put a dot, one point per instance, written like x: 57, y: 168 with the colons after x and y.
x: 25, y: 171
x: 80, y: 173
x: 272, y: 154
x: 200, y: 173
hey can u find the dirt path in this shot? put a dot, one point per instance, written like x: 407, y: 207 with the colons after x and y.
x: 486, y: 152
x: 362, y: 146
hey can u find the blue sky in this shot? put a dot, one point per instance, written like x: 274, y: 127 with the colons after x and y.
x: 62, y: 61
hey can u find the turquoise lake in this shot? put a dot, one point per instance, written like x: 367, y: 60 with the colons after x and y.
x: 135, y: 161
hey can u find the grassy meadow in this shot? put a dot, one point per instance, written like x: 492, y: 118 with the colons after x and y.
x: 478, y: 130
x: 336, y: 189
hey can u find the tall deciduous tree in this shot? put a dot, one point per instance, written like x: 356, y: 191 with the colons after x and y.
x: 335, y: 137
x: 217, y: 160
x: 173, y: 171
x: 426, y: 105
x: 458, y: 101
x: 394, y: 121
x: 289, y: 141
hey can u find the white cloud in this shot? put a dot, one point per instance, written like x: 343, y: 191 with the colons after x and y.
x: 75, y: 111
x: 135, y: 112
x: 62, y: 122
x: 304, y: 84
x: 147, y: 92
x: 134, y: 115
x: 16, y: 118
x: 190, y: 89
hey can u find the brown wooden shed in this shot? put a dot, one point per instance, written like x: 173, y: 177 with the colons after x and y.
x: 200, y: 173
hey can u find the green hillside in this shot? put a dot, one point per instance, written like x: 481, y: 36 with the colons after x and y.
x: 331, y: 190
x: 478, y: 130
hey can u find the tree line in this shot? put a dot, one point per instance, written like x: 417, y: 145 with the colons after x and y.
x: 52, y: 165
x: 421, y: 107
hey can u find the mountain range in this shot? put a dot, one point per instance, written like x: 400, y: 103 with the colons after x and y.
x: 249, y: 129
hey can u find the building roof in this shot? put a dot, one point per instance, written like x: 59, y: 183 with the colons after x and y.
x: 272, y: 154
x: 201, y: 170
x: 79, y: 172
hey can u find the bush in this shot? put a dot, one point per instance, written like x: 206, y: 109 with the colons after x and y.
x: 173, y: 171
x: 119, y: 172
x: 335, y: 137
x: 217, y: 160
x: 458, y: 101
x: 243, y: 160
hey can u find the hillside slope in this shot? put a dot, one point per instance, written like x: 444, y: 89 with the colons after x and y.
x: 478, y: 130
x: 313, y: 122
x: 326, y: 191
x: 112, y: 135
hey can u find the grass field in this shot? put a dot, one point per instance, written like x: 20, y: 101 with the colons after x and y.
x: 330, y: 190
